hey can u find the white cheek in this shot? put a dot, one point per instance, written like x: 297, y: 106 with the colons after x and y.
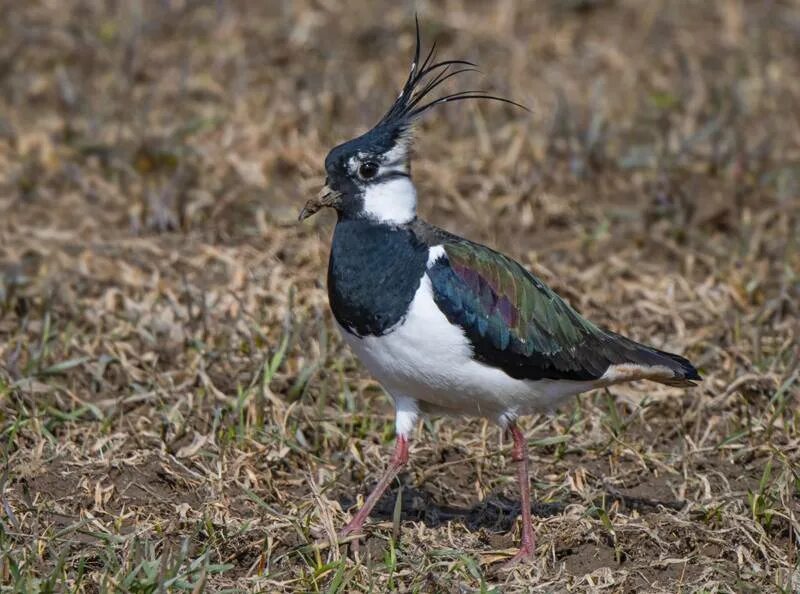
x: 394, y: 201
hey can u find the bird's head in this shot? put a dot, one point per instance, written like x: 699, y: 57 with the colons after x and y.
x: 370, y: 176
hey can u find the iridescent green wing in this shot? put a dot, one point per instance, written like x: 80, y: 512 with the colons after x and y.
x: 513, y: 320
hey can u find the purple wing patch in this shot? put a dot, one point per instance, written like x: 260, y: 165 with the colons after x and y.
x: 490, y: 298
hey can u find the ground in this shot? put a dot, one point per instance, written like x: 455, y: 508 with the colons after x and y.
x: 177, y: 411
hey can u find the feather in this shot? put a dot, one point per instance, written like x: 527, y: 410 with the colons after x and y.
x: 517, y: 323
x: 409, y: 103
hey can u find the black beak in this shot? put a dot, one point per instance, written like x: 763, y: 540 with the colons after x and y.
x: 325, y: 198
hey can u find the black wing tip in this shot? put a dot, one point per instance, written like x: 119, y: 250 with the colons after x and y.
x: 694, y: 375
x: 686, y: 370
x: 686, y: 374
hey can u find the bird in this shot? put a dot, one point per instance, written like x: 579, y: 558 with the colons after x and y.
x: 446, y: 325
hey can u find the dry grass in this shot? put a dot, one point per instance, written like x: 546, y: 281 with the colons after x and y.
x: 176, y: 410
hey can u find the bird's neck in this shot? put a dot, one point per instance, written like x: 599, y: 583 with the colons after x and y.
x: 374, y: 271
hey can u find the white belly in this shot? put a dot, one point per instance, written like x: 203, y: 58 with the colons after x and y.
x: 427, y: 359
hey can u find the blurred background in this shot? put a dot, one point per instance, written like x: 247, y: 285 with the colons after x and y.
x: 175, y: 405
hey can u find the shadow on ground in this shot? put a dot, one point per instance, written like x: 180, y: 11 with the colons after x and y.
x: 497, y: 513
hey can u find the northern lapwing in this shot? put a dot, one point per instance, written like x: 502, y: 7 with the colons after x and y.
x: 449, y: 326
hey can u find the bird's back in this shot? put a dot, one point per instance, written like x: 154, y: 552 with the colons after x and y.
x: 515, y: 322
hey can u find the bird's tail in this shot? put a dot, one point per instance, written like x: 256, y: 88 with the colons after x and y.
x: 639, y: 361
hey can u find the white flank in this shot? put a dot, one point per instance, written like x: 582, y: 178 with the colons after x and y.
x: 428, y: 361
x: 393, y: 201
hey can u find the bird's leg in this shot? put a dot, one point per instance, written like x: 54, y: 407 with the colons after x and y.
x: 399, y: 459
x: 519, y: 454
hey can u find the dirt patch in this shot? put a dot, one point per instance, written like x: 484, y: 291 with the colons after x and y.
x: 587, y: 558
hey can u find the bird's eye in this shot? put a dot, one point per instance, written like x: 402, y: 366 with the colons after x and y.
x: 368, y: 170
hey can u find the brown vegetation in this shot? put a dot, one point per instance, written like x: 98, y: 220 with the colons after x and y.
x: 176, y: 409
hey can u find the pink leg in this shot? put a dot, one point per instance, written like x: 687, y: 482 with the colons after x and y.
x: 399, y: 459
x: 527, y: 548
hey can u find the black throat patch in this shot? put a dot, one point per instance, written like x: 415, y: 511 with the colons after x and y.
x: 373, y: 273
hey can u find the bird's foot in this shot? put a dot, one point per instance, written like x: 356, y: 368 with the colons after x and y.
x: 352, y: 534
x: 354, y: 526
x: 526, y: 554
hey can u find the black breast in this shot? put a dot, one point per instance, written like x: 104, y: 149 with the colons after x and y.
x: 373, y: 274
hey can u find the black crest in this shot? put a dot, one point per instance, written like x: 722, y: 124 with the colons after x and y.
x: 414, y: 99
